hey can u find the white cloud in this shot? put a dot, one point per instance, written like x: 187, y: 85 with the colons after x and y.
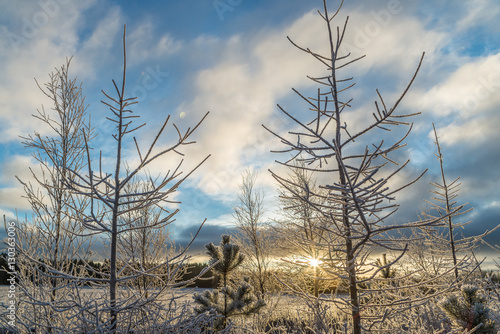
x: 466, y: 92
x: 225, y: 220
x: 40, y: 52
x: 17, y: 165
x: 254, y: 73
x: 11, y: 195
x: 473, y: 132
x: 241, y: 91
x: 493, y: 205
x: 480, y: 12
x: 248, y: 76
x: 470, y: 96
x: 103, y: 46
x: 390, y: 41
x: 9, y: 215
x: 142, y: 43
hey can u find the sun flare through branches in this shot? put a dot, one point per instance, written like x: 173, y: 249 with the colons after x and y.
x: 314, y: 262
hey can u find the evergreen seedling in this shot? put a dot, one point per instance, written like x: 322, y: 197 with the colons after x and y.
x: 227, y: 301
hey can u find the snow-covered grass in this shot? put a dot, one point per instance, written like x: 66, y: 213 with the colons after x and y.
x: 290, y: 313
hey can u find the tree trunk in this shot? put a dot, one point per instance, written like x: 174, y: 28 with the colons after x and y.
x: 316, y: 281
x: 112, y: 279
x: 225, y: 301
x: 353, y: 289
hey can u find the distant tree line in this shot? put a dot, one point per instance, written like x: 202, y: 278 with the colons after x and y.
x: 75, y: 264
x: 4, y: 274
x: 209, y: 279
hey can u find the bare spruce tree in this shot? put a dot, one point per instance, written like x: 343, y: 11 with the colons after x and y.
x: 51, y: 241
x: 357, y: 180
x: 254, y: 235
x: 448, y: 246
x: 110, y: 201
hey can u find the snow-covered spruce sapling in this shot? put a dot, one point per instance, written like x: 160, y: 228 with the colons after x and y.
x: 355, y: 166
x: 469, y: 311
x: 227, y: 301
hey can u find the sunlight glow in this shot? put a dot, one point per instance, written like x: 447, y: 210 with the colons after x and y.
x: 314, y: 262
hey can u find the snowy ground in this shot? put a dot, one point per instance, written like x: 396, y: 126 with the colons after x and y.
x: 183, y: 295
x: 279, y: 306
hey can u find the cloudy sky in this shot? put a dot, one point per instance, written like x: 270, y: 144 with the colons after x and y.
x: 232, y: 58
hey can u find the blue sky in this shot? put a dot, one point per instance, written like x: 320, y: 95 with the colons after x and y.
x: 232, y: 58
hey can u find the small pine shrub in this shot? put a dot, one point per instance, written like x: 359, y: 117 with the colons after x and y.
x: 227, y: 301
x: 469, y: 310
